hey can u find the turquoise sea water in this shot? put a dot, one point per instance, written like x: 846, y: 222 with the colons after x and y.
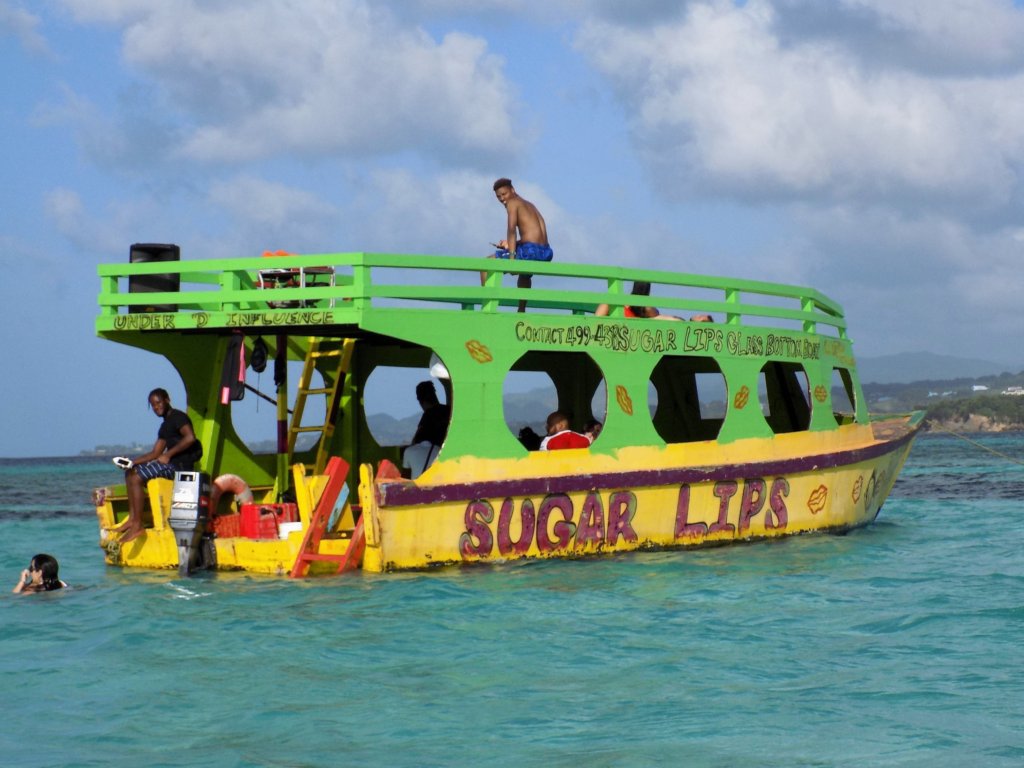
x: 897, y: 645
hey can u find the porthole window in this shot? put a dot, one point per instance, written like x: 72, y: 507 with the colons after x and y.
x: 843, y: 396
x: 690, y: 398
x: 540, y: 383
x: 784, y: 396
x: 391, y: 407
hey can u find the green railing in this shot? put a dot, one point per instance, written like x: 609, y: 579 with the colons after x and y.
x: 371, y: 281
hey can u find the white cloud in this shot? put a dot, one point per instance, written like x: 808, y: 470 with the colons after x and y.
x: 456, y: 213
x: 965, y: 34
x: 88, y: 233
x: 453, y: 213
x: 267, y: 215
x: 317, y: 78
x: 926, y: 281
x: 23, y: 25
x: 721, y: 103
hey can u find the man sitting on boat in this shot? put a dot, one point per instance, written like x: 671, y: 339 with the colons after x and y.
x: 176, y: 449
x: 526, y: 234
x: 560, y: 436
x: 430, y: 432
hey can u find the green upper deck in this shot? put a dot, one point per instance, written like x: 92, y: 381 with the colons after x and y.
x: 788, y: 340
x: 213, y: 293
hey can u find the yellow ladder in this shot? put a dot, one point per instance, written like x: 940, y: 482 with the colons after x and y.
x: 319, y: 349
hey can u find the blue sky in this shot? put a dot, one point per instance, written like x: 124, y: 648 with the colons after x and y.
x: 870, y: 148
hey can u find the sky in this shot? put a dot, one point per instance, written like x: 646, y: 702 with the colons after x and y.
x: 871, y: 149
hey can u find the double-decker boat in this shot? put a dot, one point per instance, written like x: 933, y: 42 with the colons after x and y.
x: 750, y: 426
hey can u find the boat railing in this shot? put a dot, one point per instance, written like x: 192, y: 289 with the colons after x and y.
x: 378, y: 281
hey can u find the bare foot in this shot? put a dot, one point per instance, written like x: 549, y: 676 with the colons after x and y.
x: 130, y: 534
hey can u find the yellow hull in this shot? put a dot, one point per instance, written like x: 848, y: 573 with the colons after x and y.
x: 701, y: 494
x: 574, y: 503
x: 157, y: 547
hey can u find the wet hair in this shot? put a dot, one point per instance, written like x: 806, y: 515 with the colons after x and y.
x: 502, y: 183
x: 640, y: 288
x: 425, y: 392
x: 159, y: 392
x: 49, y: 567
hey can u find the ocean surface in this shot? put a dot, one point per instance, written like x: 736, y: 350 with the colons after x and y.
x: 900, y: 644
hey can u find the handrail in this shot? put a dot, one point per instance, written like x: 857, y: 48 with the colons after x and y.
x: 362, y: 282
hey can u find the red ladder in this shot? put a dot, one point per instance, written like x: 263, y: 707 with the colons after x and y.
x: 309, y: 551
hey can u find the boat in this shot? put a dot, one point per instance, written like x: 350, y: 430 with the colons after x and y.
x: 750, y: 426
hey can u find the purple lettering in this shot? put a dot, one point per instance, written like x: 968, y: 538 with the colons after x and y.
x: 527, y: 523
x: 479, y: 514
x: 684, y: 529
x: 780, y: 489
x: 724, y: 490
x: 563, y: 529
x: 753, y: 500
x: 621, y: 510
x: 591, y: 524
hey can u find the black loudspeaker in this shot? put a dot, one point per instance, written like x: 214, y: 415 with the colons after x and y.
x: 142, y: 253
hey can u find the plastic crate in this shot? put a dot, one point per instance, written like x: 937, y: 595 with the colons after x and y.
x: 227, y: 526
x: 261, y: 521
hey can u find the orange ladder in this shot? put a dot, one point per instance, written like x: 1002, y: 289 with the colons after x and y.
x: 309, y: 551
x: 318, y: 349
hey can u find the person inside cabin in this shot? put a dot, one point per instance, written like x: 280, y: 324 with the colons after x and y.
x: 592, y: 429
x: 430, y: 432
x: 529, y: 438
x: 643, y: 288
x: 176, y: 449
x: 40, y: 576
x: 525, y: 229
x: 560, y: 436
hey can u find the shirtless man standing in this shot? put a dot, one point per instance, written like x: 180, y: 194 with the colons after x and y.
x: 526, y: 228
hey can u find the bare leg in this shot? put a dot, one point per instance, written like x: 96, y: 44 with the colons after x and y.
x: 483, y: 275
x: 524, y: 281
x: 136, y: 488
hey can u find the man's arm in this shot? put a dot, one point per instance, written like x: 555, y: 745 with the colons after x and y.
x: 421, y: 429
x: 153, y: 455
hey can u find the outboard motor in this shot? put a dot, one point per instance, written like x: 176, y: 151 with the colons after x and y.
x: 190, y: 509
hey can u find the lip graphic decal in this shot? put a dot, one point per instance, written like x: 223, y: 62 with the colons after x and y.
x: 623, y: 399
x: 742, y: 398
x: 478, y: 351
x: 816, y: 501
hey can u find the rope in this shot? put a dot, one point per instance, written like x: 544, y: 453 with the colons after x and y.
x: 980, y: 445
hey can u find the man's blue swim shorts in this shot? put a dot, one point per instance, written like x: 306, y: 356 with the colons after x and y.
x: 152, y: 469
x: 528, y: 252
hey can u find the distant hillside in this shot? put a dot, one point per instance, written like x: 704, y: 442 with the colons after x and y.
x: 986, y: 413
x: 906, y: 367
x: 521, y: 409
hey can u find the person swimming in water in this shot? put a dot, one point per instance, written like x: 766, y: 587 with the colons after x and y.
x: 40, y: 576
